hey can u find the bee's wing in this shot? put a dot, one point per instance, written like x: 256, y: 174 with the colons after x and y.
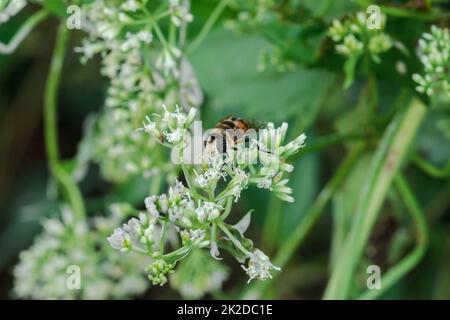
x: 254, y: 123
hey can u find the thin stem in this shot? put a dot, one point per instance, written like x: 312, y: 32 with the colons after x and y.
x: 301, y: 231
x: 188, y: 177
x: 50, y: 120
x: 163, y: 237
x: 232, y: 238
x: 431, y: 169
x: 139, y: 250
x: 227, y: 210
x: 339, y: 229
x: 23, y: 32
x: 207, y: 26
x: 386, y: 162
x: 159, y: 34
x: 271, y: 223
x: 409, y: 262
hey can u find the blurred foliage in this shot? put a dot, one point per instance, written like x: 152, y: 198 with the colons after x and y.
x: 272, y: 61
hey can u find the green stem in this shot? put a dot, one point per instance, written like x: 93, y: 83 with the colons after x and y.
x: 271, y: 224
x: 328, y: 141
x: 159, y: 34
x: 50, y: 121
x: 431, y: 169
x: 387, y: 160
x: 409, y: 262
x: 289, y: 247
x: 339, y: 229
x: 207, y: 26
x: 23, y: 32
x: 232, y: 238
x: 227, y: 210
x: 163, y: 237
x: 188, y: 177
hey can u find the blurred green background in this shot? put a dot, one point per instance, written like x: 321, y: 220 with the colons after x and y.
x: 310, y: 97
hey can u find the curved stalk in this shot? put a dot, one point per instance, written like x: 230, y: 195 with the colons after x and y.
x: 289, y: 247
x: 23, y: 32
x: 386, y: 163
x: 409, y: 262
x: 207, y: 26
x: 431, y: 169
x: 69, y: 187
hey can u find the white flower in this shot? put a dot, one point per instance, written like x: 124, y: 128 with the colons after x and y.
x: 282, y: 191
x: 174, y: 136
x: 131, y: 5
x: 271, y: 138
x: 88, y: 50
x: 350, y: 46
x: 133, y: 226
x: 197, y: 235
x: 259, y: 266
x: 149, y: 127
x: 201, y: 180
x: 179, y: 13
x: 167, y: 60
x: 150, y: 205
x: 241, y: 177
x: 143, y: 219
x: 120, y: 240
x: 434, y: 53
x: 208, y: 212
x: 145, y: 36
x: 264, y: 183
x: 293, y: 146
x: 238, y: 183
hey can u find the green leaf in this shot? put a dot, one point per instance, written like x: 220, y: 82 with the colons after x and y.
x: 226, y: 65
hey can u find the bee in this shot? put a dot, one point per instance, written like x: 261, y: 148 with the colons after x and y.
x: 229, y: 132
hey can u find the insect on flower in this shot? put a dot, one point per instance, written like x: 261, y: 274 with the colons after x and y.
x: 229, y: 132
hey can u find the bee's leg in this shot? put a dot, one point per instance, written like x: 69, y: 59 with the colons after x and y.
x: 262, y: 149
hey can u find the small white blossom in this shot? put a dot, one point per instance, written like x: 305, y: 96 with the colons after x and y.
x: 174, y: 136
x: 201, y: 180
x: 434, y: 53
x: 150, y: 205
x: 209, y: 211
x: 197, y: 235
x: 179, y: 12
x: 131, y: 5
x: 259, y: 266
x: 120, y: 240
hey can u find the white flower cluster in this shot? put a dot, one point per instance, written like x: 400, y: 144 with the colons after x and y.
x: 197, y: 211
x: 113, y: 142
x: 171, y: 128
x: 353, y: 37
x: 179, y: 12
x: 9, y: 8
x: 42, y: 272
x: 145, y: 71
x: 259, y: 266
x: 434, y: 53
